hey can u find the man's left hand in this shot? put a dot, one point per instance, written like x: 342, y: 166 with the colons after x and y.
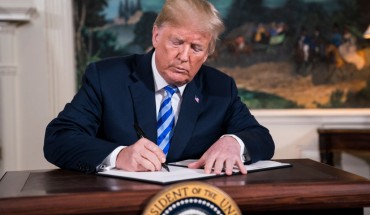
x: 223, y: 155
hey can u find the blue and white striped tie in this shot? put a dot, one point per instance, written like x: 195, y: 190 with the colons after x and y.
x: 166, y: 120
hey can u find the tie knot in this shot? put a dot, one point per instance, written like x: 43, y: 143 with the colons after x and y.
x: 170, y: 89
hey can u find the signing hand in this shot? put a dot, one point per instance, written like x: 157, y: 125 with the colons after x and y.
x: 222, y: 155
x: 143, y: 155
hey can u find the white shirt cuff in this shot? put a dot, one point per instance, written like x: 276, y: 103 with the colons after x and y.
x: 241, y: 143
x: 110, y: 160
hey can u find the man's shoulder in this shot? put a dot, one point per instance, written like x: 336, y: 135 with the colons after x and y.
x: 121, y: 64
x: 118, y: 61
x: 208, y: 72
x: 212, y: 80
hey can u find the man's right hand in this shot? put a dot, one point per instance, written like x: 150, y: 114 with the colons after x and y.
x: 144, y: 155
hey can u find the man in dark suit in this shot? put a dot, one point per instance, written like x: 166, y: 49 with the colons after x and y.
x: 204, y: 119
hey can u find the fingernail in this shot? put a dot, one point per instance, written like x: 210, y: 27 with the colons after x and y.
x: 163, y: 160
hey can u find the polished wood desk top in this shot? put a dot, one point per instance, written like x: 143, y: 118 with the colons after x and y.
x: 306, y: 185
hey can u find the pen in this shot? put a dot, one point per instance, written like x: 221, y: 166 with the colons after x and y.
x: 141, y: 134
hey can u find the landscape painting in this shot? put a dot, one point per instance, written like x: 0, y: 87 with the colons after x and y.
x: 283, y: 54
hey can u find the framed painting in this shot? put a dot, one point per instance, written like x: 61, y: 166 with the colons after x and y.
x: 283, y: 54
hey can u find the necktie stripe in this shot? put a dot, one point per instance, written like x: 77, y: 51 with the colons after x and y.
x: 163, y: 125
x: 166, y: 120
x: 165, y: 102
x: 165, y: 135
x: 165, y: 111
x: 164, y: 138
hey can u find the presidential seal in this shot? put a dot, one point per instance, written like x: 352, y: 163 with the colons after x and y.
x: 191, y: 198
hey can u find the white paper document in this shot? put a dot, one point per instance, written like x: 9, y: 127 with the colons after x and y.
x: 179, y: 172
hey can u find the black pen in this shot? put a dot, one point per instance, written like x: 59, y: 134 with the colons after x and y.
x: 141, y: 134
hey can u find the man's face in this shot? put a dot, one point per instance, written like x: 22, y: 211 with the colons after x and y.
x: 180, y: 52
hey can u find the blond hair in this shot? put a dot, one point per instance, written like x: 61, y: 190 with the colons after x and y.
x: 206, y: 16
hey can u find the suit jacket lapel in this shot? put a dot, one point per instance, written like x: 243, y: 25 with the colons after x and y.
x: 189, y: 112
x: 143, y: 97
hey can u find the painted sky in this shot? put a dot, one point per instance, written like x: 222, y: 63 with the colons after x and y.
x: 279, y: 3
x: 149, y: 5
x: 222, y: 5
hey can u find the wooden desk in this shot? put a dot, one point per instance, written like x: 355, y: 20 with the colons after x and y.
x: 338, y: 140
x: 309, y: 187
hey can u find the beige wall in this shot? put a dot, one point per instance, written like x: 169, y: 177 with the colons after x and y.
x: 36, y: 76
x: 37, y: 79
x: 295, y: 134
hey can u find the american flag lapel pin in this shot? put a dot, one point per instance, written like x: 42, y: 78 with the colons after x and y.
x: 196, y: 99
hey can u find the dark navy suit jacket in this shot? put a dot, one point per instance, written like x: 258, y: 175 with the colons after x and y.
x: 118, y: 92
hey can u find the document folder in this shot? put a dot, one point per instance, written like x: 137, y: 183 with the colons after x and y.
x: 180, y: 172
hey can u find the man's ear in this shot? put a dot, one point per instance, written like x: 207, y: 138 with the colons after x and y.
x: 155, y: 36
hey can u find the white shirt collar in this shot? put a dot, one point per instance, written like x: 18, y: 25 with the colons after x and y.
x: 159, y: 82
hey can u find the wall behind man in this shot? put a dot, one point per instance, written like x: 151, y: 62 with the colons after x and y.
x: 36, y: 80
x: 295, y: 134
x: 43, y: 80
